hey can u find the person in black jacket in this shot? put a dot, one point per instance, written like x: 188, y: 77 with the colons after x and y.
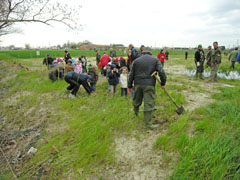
x: 134, y: 52
x: 75, y: 80
x: 144, y: 84
x: 113, y: 76
x: 199, y: 61
x: 67, y: 56
x: 48, y: 61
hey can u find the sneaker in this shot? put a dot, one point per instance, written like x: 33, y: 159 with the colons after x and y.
x: 153, y: 126
x: 71, y: 96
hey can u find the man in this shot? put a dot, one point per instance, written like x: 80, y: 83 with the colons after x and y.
x: 167, y: 53
x: 48, y: 61
x: 104, y: 61
x: 67, y: 56
x: 233, y: 57
x: 134, y: 54
x: 112, y: 53
x: 75, y: 80
x: 98, y: 57
x: 199, y: 61
x: 208, y: 56
x: 216, y: 59
x: 144, y: 84
x: 142, y: 49
x: 186, y: 55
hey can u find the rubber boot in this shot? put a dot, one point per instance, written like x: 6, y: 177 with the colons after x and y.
x: 147, y: 120
x: 136, y: 110
x: 201, y: 76
x: 196, y: 76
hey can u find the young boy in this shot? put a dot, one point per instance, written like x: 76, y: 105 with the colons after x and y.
x: 69, y: 67
x: 93, y: 72
x: 113, y: 76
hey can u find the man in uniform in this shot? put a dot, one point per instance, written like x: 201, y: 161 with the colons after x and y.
x: 67, y: 56
x: 208, y: 56
x: 98, y: 57
x: 233, y: 57
x: 199, y: 61
x: 112, y: 53
x: 216, y: 59
x: 144, y: 84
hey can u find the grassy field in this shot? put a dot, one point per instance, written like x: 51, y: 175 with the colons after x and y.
x: 76, y: 139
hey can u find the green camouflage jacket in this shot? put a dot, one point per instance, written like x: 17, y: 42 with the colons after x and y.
x: 216, y: 57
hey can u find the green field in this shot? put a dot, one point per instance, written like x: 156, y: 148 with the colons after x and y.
x: 87, y: 138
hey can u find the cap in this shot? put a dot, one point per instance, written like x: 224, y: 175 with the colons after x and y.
x: 147, y: 52
x: 199, y: 46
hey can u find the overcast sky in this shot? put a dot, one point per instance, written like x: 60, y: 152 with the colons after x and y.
x: 154, y: 23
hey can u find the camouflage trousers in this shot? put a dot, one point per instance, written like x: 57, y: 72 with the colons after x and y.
x: 214, y: 70
x: 144, y: 93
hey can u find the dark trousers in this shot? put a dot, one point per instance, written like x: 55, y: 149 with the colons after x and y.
x: 233, y: 65
x: 123, y: 91
x: 74, y: 85
x: 162, y: 64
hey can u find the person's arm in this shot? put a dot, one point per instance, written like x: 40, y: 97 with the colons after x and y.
x: 229, y: 57
x: 161, y: 73
x: 131, y: 76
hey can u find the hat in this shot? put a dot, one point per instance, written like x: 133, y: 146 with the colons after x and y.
x: 199, y: 46
x: 89, y: 77
x: 147, y: 52
x: 90, y: 67
x: 113, y: 66
x: 142, y: 46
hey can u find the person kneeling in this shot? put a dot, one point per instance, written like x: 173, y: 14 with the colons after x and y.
x: 75, y: 80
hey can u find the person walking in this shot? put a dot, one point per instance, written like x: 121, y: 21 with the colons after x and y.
x: 144, y: 84
x: 216, y: 59
x: 162, y: 56
x: 186, y: 55
x: 113, y: 76
x: 233, y: 57
x: 199, y: 61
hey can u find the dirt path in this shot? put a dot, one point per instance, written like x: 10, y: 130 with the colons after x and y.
x: 136, y: 157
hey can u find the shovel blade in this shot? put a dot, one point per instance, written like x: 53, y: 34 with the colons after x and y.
x: 180, y: 110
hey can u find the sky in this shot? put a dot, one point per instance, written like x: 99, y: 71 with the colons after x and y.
x: 155, y: 23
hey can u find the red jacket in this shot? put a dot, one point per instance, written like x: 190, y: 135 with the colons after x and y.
x: 161, y: 57
x: 105, y: 60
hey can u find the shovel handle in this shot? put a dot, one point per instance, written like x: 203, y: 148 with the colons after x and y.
x: 157, y: 78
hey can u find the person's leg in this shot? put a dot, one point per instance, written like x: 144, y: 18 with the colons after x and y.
x: 122, y: 91
x: 115, y: 89
x: 86, y: 86
x: 137, y: 98
x: 94, y: 87
x: 125, y: 90
x: 111, y: 90
x: 216, y: 70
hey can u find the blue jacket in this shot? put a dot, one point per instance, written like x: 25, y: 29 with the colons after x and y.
x: 113, y: 78
x: 238, y: 57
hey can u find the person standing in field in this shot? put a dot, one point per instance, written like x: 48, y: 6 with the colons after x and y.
x: 67, y: 56
x: 123, y: 81
x: 144, y: 84
x: 98, y: 57
x: 233, y: 57
x: 69, y: 67
x: 199, y: 61
x: 142, y: 49
x: 167, y: 53
x: 78, y: 67
x: 48, y: 61
x: 186, y: 55
x: 93, y: 73
x: 103, y: 63
x: 162, y: 56
x: 216, y: 59
x: 208, y: 56
x: 133, y: 54
x: 113, y: 76
x: 112, y: 53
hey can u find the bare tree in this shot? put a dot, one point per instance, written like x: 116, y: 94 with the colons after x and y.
x: 42, y: 11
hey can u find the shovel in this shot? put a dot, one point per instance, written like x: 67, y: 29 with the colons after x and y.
x: 180, y: 109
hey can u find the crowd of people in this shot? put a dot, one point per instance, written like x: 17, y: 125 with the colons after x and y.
x: 132, y: 72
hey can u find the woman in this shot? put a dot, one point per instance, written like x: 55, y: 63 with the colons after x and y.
x: 162, y: 56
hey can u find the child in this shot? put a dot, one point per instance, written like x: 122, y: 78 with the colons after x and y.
x: 92, y: 72
x: 78, y: 67
x: 123, y: 81
x: 113, y: 76
x: 69, y: 67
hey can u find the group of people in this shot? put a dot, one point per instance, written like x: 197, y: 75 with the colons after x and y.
x: 213, y: 60
x: 74, y: 71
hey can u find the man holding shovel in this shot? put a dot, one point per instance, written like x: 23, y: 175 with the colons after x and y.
x: 144, y: 84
